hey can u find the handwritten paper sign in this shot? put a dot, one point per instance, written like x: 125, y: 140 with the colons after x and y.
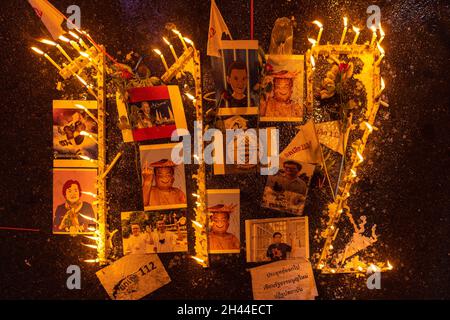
x: 133, y: 276
x: 284, y: 280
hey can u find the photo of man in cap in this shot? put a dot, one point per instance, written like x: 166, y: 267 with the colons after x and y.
x: 219, y: 237
x: 162, y: 192
x: 279, y: 102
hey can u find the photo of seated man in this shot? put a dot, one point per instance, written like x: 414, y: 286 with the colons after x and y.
x: 158, y: 181
x: 219, y: 237
x: 278, y: 250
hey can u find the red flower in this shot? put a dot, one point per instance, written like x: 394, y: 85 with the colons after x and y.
x: 343, y: 67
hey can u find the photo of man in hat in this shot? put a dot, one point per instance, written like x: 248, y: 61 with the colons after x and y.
x: 219, y: 237
x: 279, y: 102
x: 162, y: 192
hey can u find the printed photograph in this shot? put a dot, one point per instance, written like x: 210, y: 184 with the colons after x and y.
x: 282, y: 94
x: 74, y: 195
x: 154, y: 232
x: 75, y: 133
x: 237, y: 78
x: 151, y: 113
x: 163, y: 181
x: 224, y: 222
x: 286, y: 191
x: 277, y: 239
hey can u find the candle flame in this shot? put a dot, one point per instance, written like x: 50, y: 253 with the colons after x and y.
x: 176, y: 32
x: 331, y: 247
x: 313, y: 41
x: 373, y: 267
x: 64, y: 39
x: 88, y: 218
x: 38, y: 51
x: 381, y: 49
x: 93, y: 238
x: 198, y: 259
x: 196, y: 195
x: 157, y: 52
x: 317, y: 23
x: 49, y: 42
x: 333, y: 271
x: 89, y: 193
x: 82, y: 80
x: 361, y: 158
x: 355, y: 29
x: 198, y: 224
x: 390, y: 267
x: 189, y: 41
x: 373, y: 28
x: 80, y: 106
x: 93, y: 246
x: 84, y: 54
x: 313, y: 62
x: 360, y: 268
x: 91, y: 229
x: 381, y: 31
x: 320, y: 266
x: 73, y: 34
x: 369, y: 126
x: 190, y: 96
x: 91, y: 260
x: 382, y: 84
x: 345, y: 22
x: 166, y: 41
x: 353, y: 171
x: 86, y: 158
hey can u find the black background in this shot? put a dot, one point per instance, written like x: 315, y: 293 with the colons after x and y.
x: 404, y: 183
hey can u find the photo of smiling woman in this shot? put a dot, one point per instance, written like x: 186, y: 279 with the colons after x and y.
x: 73, y: 194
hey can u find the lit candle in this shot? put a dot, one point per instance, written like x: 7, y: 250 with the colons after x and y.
x: 381, y: 54
x: 72, y: 43
x: 317, y: 23
x: 79, y: 106
x: 344, y: 32
x: 189, y: 41
x: 313, y: 63
x: 51, y: 43
x: 86, y: 85
x: 382, y: 86
x: 162, y: 58
x: 178, y: 33
x: 356, y: 30
x: 374, y: 35
x: 171, y: 48
x: 80, y: 40
x: 47, y: 57
x: 381, y: 35
x: 312, y: 41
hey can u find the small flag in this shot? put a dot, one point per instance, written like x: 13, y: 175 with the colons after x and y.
x: 305, y: 146
x: 51, y: 17
x: 217, y: 28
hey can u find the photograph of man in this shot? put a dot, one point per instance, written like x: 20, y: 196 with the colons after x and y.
x: 280, y: 104
x: 286, y: 190
x: 164, y: 240
x: 162, y: 192
x: 237, y: 81
x: 278, y: 250
x: 73, y: 215
x: 219, y: 237
x: 145, y: 118
x: 138, y: 242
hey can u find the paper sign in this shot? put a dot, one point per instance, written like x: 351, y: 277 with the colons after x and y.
x: 284, y: 280
x: 133, y: 277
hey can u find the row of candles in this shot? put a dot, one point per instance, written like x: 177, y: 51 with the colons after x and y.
x: 356, y: 30
x: 183, y: 40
